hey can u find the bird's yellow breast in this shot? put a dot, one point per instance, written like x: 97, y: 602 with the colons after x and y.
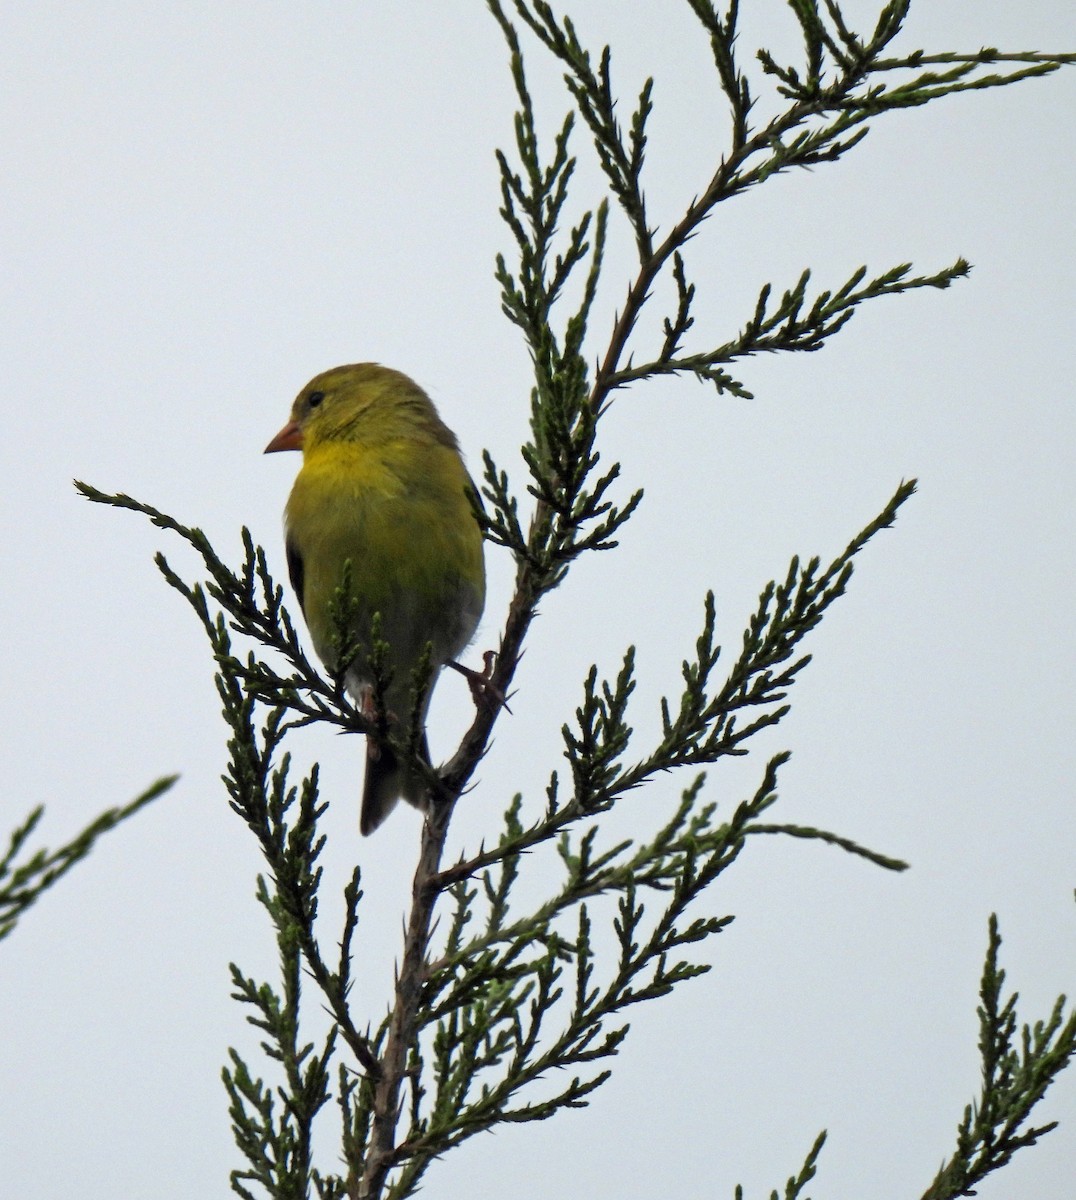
x: 399, y: 513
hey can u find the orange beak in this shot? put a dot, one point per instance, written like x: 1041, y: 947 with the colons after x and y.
x: 289, y: 438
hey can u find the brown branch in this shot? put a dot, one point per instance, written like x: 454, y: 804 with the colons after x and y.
x: 722, y: 185
x: 383, y: 1152
x: 717, y: 190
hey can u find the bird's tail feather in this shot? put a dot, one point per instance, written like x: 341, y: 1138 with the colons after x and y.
x: 386, y: 781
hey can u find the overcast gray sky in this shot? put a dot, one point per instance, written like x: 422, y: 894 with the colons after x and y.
x: 205, y: 204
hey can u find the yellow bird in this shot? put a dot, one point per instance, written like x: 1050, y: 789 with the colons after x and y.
x: 383, y: 487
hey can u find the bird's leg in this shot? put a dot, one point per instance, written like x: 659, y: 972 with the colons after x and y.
x: 368, y: 708
x: 483, y: 689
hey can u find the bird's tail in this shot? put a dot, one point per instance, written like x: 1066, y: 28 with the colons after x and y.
x: 386, y: 781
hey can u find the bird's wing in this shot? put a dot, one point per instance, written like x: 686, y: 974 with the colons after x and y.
x: 295, y: 569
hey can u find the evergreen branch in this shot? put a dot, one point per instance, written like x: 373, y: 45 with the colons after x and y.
x: 704, y: 727
x: 792, y: 325
x: 722, y: 32
x: 655, y: 864
x: 835, y: 94
x: 850, y: 47
x: 833, y: 839
x: 796, y: 1183
x: 621, y: 159
x: 677, y: 326
x: 23, y: 883
x: 477, y: 993
x: 1017, y: 1070
x: 982, y: 57
x: 262, y: 797
x: 503, y: 528
x: 814, y: 40
x: 820, y: 125
x: 277, y: 1146
x: 254, y: 605
x: 480, y: 1023
x: 571, y: 515
x: 400, y: 1030
x: 276, y: 1142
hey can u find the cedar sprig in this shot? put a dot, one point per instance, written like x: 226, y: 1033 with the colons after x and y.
x: 22, y: 883
x: 1019, y: 1063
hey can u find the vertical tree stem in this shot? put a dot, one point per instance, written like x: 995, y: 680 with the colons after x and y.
x: 424, y: 892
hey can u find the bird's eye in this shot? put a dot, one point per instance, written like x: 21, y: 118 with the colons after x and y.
x: 315, y: 398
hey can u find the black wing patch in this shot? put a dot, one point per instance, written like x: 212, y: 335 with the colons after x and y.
x: 295, y: 570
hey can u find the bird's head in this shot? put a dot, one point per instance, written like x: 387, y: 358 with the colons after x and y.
x: 363, y: 402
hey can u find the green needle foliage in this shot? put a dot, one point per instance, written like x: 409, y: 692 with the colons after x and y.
x: 23, y: 882
x: 1017, y: 1070
x: 511, y: 1012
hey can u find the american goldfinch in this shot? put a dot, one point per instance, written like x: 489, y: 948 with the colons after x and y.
x: 383, y: 487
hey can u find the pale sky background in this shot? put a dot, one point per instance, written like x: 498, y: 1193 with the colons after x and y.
x: 205, y: 204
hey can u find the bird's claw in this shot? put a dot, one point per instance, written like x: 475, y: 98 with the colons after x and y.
x: 483, y: 689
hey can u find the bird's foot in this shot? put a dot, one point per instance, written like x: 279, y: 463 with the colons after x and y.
x: 483, y: 689
x: 368, y: 708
